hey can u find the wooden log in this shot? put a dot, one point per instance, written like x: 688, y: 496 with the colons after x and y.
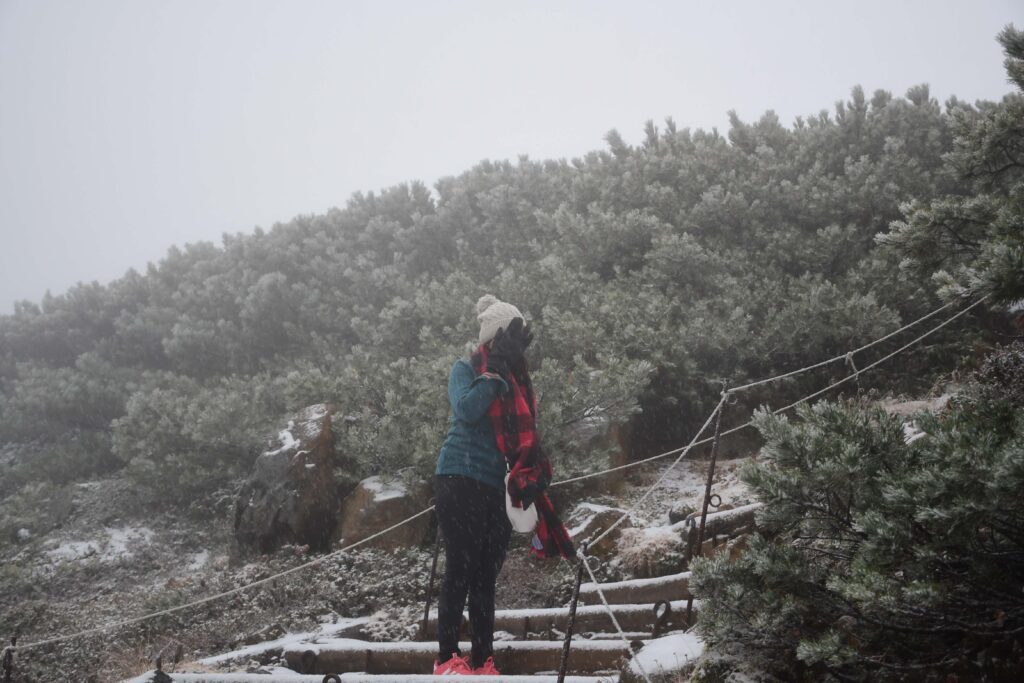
x: 360, y: 678
x: 590, y: 617
x: 512, y: 657
x: 670, y: 587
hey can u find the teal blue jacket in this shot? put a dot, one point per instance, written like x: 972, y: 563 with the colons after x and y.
x: 470, y: 449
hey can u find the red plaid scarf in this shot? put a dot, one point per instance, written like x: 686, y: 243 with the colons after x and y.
x: 513, y: 415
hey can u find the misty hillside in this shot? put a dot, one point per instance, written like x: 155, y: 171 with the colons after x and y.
x: 651, y: 274
x: 690, y: 258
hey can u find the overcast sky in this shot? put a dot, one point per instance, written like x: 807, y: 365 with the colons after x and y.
x: 128, y: 126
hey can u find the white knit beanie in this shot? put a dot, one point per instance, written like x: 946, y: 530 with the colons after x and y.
x: 494, y: 315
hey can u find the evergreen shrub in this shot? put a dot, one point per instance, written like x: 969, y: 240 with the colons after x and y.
x: 879, y: 559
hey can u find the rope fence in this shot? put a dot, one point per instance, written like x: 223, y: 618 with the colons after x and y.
x: 224, y: 594
x: 664, y: 474
x: 611, y: 614
x: 730, y: 392
x: 696, y: 441
x: 848, y: 356
x: 734, y: 390
x: 716, y: 414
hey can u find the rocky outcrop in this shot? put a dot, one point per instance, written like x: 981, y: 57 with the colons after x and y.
x: 587, y: 520
x: 292, y: 495
x: 597, y: 434
x: 375, y: 505
x: 651, y: 551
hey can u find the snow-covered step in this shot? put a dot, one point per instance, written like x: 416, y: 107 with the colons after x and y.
x: 279, y: 677
x: 670, y: 657
x: 341, y: 628
x: 511, y: 656
x: 589, y: 618
x: 639, y: 591
x: 365, y: 678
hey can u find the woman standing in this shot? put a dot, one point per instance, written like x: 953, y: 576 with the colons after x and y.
x: 492, y: 432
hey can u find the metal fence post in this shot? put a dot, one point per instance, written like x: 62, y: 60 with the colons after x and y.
x: 698, y: 546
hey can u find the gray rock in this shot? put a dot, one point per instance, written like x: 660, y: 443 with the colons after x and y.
x: 377, y: 504
x: 291, y: 496
x: 680, y: 511
x: 587, y: 520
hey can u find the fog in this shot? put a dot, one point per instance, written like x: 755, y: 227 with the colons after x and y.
x: 126, y: 127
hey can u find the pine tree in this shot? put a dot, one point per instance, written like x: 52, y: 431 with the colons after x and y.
x: 973, y: 243
x: 880, y: 559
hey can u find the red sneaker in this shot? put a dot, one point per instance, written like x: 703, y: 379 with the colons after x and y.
x: 455, y: 666
x: 488, y: 669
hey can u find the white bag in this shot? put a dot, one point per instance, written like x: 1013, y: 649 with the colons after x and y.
x: 523, y: 521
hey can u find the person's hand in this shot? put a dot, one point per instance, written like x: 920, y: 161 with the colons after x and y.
x: 497, y: 364
x: 528, y: 494
x: 525, y: 335
x: 512, y: 343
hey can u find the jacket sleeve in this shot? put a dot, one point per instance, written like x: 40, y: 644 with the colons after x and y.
x: 470, y: 395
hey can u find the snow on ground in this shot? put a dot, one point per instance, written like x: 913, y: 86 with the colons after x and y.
x: 668, y: 654
x: 290, y: 639
x: 199, y: 560
x: 646, y: 550
x: 114, y: 545
x: 584, y: 514
x: 310, y: 420
x: 594, y: 507
x: 689, y: 479
x: 903, y: 408
x: 684, y: 485
x: 385, y: 490
x: 288, y: 442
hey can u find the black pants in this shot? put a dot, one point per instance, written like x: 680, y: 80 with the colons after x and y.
x: 476, y: 532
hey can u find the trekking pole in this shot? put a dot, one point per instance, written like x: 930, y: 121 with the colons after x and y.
x: 433, y: 574
x: 563, y: 664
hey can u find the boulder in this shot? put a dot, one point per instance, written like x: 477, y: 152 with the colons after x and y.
x: 291, y: 496
x: 681, y: 511
x: 598, y: 433
x: 377, y: 504
x: 651, y: 551
x: 737, y: 546
x: 589, y: 519
x: 714, y: 546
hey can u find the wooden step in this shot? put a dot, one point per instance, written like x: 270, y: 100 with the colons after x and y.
x: 590, y: 618
x: 342, y: 628
x: 639, y: 591
x: 511, y: 656
x: 365, y: 678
